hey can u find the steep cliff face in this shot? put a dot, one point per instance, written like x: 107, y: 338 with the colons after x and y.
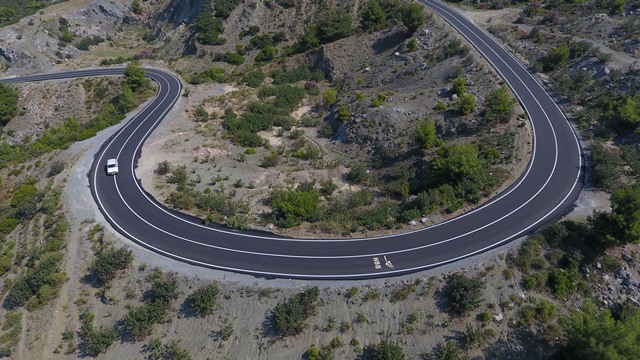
x: 178, y: 12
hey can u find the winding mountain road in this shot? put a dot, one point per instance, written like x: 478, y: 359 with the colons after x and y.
x: 548, y: 188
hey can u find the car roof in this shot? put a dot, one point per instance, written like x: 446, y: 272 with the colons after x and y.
x: 112, y: 162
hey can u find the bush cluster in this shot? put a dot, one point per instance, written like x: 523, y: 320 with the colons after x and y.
x: 139, y: 321
x: 109, y: 262
x: 204, y: 299
x: 290, y: 315
x: 274, y: 110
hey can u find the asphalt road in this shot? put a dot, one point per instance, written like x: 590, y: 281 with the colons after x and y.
x: 547, y: 189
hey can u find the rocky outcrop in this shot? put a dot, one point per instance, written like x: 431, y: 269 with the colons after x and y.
x: 179, y: 12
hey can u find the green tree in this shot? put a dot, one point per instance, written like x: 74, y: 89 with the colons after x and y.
x: 629, y: 111
x: 426, y: 133
x: 330, y: 97
x: 208, y: 30
x: 127, y: 99
x: 466, y: 104
x: 458, y: 162
x: 463, y: 293
x: 499, y: 104
x: 135, y: 75
x: 343, y: 113
x: 622, y: 225
x: 372, y: 17
x: 413, y: 17
x: 594, y: 334
x: 8, y: 104
x: 204, y: 299
x: 333, y: 25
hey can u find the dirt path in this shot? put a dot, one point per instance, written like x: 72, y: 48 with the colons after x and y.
x: 74, y: 261
x: 22, y: 344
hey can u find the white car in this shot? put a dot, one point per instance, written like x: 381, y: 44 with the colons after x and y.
x: 112, y: 166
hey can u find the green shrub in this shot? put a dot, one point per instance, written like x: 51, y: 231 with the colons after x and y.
x: 403, y: 292
x: 95, y: 341
x: 175, y: 352
x: 109, y: 262
x: 542, y: 312
x: 253, y: 78
x: 139, y: 321
x: 201, y: 115
x: 386, y: 350
x: 362, y: 197
x: 556, y: 58
x: 563, y: 282
x: 204, y: 299
x: 178, y: 175
x: 268, y: 53
x: 270, y: 160
x: 535, y: 281
x: 291, y: 314
x: 459, y: 86
x: 466, y: 104
x: 426, y: 133
x: 358, y: 174
x: 57, y: 166
x: 230, y: 58
x: 328, y: 187
x: 499, y: 104
x: 330, y: 97
x: 86, y: 42
x: 251, y: 31
x: 295, y: 204
x: 330, y: 25
x: 291, y: 76
x: 216, y: 74
x: 287, y: 97
x: 163, y: 168
x: 164, y: 290
x: 343, y: 113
